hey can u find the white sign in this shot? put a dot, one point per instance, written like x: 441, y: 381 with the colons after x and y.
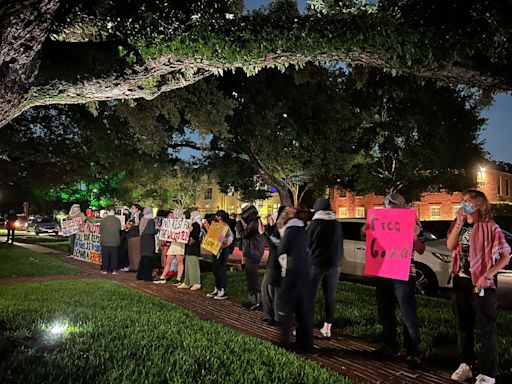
x: 70, y: 227
x: 176, y: 230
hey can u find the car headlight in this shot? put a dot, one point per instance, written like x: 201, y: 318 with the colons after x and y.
x: 17, y: 224
x: 444, y: 258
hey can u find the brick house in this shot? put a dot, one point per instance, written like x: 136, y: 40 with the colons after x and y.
x: 432, y: 206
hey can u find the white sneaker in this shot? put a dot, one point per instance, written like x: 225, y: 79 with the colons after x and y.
x: 482, y: 379
x: 221, y: 295
x: 160, y: 281
x: 195, y: 287
x: 183, y: 286
x: 125, y: 269
x: 462, y: 373
x: 213, y: 293
x: 326, y: 334
x: 114, y: 273
x: 104, y: 272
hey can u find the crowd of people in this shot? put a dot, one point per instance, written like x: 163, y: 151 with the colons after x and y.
x: 305, y: 253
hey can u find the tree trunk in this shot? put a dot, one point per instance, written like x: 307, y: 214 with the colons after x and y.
x: 284, y: 196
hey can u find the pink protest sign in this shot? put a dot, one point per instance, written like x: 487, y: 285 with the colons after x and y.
x: 389, y: 242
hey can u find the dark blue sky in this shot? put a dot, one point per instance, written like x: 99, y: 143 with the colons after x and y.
x: 497, y: 131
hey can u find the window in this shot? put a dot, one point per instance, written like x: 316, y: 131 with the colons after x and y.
x: 208, y: 193
x: 435, y: 212
x: 455, y: 209
x: 360, y: 212
x: 507, y: 190
x: 498, y: 184
x: 352, y: 231
x: 342, y: 212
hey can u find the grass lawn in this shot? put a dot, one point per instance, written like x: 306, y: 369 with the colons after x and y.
x: 356, y: 315
x: 59, y: 243
x: 117, y: 335
x: 16, y: 262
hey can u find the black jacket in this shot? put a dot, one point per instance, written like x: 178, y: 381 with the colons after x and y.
x: 194, y: 245
x: 272, y: 268
x: 253, y: 243
x: 325, y: 240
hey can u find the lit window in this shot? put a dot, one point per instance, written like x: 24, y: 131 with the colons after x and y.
x: 208, y: 193
x: 435, y: 212
x: 342, y: 212
x: 360, y: 212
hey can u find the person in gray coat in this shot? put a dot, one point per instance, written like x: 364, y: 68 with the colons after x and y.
x: 110, y: 239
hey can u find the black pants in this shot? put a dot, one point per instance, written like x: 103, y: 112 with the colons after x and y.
x: 109, y: 257
x: 10, y: 235
x: 390, y: 292
x: 123, y: 260
x: 329, y: 278
x: 71, y: 244
x: 469, y: 307
x: 220, y: 269
x: 146, y: 266
x: 251, y: 276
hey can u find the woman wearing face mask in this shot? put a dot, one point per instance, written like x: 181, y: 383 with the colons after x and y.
x: 479, y: 252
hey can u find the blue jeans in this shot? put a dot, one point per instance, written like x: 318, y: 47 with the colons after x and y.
x: 390, y: 292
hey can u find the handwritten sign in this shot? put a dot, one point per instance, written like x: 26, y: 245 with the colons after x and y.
x: 214, y: 238
x: 389, y: 242
x: 70, y: 227
x: 175, y: 230
x: 87, y: 243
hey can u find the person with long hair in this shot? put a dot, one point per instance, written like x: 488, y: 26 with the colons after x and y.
x: 479, y: 253
x: 325, y: 251
x: 192, y: 252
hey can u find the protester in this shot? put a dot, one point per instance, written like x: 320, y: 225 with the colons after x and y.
x: 165, y: 261
x: 10, y: 224
x: 221, y: 259
x: 89, y: 216
x: 390, y: 292
x: 479, y: 253
x: 147, y: 232
x: 295, y: 292
x: 192, y: 252
x: 271, y: 282
x: 74, y: 213
x: 325, y: 251
x: 133, y: 235
x: 177, y: 250
x: 110, y: 239
x: 253, y: 246
x: 124, y: 262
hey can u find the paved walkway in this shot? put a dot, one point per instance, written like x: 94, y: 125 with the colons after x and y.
x: 349, y: 356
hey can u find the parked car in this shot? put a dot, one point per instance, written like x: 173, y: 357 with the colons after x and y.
x: 508, y: 238
x: 43, y: 225
x: 432, y: 268
x: 21, y: 223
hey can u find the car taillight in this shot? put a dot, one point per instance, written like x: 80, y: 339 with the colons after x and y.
x: 442, y: 257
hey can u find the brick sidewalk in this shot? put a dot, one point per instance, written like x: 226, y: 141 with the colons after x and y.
x: 351, y: 357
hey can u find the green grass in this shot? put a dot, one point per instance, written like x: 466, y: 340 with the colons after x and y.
x: 118, y: 335
x: 356, y: 315
x: 16, y: 262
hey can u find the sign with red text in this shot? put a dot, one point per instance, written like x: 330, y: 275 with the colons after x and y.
x: 389, y: 241
x: 215, y: 237
x: 87, y: 243
x: 176, y: 230
x: 70, y: 227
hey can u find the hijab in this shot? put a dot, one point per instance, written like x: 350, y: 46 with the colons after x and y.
x: 75, y: 211
x: 195, y: 216
x: 148, y: 215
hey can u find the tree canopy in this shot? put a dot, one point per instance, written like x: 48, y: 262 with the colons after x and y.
x: 62, y: 52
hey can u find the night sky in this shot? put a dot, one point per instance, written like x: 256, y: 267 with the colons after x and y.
x: 497, y: 131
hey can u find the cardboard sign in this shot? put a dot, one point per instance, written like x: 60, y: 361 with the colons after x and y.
x: 87, y: 243
x: 214, y: 238
x: 175, y: 230
x: 70, y: 227
x: 389, y: 242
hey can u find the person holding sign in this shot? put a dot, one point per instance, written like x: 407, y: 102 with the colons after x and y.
x: 480, y: 251
x: 224, y: 238
x: 74, y: 213
x: 192, y: 252
x: 392, y: 291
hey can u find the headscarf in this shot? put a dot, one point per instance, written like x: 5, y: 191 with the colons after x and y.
x: 75, y: 211
x: 395, y: 200
x: 148, y: 215
x: 195, y: 216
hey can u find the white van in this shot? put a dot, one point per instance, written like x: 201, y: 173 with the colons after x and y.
x: 432, y: 268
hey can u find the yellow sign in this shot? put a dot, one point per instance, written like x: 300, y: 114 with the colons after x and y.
x: 214, y: 238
